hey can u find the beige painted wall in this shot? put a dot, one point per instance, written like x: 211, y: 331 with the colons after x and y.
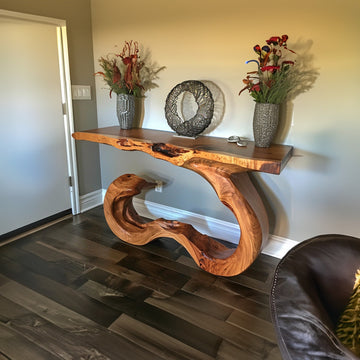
x: 318, y: 192
x: 78, y: 21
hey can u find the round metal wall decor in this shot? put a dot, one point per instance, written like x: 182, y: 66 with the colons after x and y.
x: 203, y: 116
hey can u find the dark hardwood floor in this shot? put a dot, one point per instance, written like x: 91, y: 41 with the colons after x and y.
x: 74, y: 291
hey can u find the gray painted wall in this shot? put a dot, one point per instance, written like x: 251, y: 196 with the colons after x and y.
x: 318, y: 192
x: 78, y: 19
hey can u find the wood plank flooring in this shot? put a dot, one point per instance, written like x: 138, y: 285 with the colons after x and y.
x: 75, y: 291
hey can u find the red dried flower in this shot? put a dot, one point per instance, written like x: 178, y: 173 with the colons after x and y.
x: 270, y: 68
x: 269, y: 83
x: 274, y: 40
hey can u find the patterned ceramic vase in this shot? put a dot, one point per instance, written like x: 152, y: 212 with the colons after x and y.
x: 265, y: 122
x: 125, y: 110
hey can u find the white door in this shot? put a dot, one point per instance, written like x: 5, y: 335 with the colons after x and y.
x: 34, y: 176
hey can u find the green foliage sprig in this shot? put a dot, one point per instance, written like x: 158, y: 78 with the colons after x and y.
x: 348, y: 327
x: 127, y: 72
x: 274, y: 78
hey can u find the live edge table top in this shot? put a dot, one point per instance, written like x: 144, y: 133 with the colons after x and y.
x: 167, y: 146
x: 225, y: 165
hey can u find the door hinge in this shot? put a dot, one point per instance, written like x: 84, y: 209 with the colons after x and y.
x: 64, y: 108
x: 70, y: 181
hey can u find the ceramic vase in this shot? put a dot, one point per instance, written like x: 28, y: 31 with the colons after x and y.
x: 125, y: 110
x: 265, y: 123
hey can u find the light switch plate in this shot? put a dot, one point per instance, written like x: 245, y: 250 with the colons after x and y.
x: 81, y: 92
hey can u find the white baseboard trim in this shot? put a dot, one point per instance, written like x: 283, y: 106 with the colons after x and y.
x: 91, y: 200
x: 277, y: 246
x: 208, y: 225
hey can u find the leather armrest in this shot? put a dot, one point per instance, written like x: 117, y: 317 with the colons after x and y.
x: 311, y: 287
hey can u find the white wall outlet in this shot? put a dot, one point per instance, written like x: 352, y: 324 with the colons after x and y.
x: 81, y: 92
x: 159, y: 186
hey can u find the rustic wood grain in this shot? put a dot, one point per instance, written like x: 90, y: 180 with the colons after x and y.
x: 57, y: 291
x: 48, y: 309
x: 205, y: 320
x: 208, y: 253
x: 165, y: 346
x: 67, y: 293
x: 177, y: 150
x: 256, y: 326
x: 16, y: 346
x: 224, y: 165
x: 229, y: 351
x: 192, y: 335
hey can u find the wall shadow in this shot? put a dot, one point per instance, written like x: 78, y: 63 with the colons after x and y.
x: 304, y: 75
x: 139, y: 112
x: 219, y: 106
x: 273, y: 207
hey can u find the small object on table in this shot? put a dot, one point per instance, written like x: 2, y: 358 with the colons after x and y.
x: 202, y: 119
x: 240, y: 141
x: 233, y: 138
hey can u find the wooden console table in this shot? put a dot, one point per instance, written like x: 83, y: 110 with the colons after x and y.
x: 224, y: 165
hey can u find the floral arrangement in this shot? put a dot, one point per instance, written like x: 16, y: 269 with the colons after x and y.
x: 274, y: 78
x: 127, y: 73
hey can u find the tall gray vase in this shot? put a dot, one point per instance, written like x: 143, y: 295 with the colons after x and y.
x: 125, y: 110
x: 265, y: 123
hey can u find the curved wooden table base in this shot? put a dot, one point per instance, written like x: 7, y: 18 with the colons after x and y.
x: 234, y: 189
x: 225, y: 166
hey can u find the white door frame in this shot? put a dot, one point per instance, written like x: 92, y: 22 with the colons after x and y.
x: 66, y: 97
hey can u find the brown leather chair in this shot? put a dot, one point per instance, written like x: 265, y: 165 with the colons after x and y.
x: 311, y: 287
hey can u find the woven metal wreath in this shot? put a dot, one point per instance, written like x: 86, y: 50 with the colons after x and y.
x: 203, y: 116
